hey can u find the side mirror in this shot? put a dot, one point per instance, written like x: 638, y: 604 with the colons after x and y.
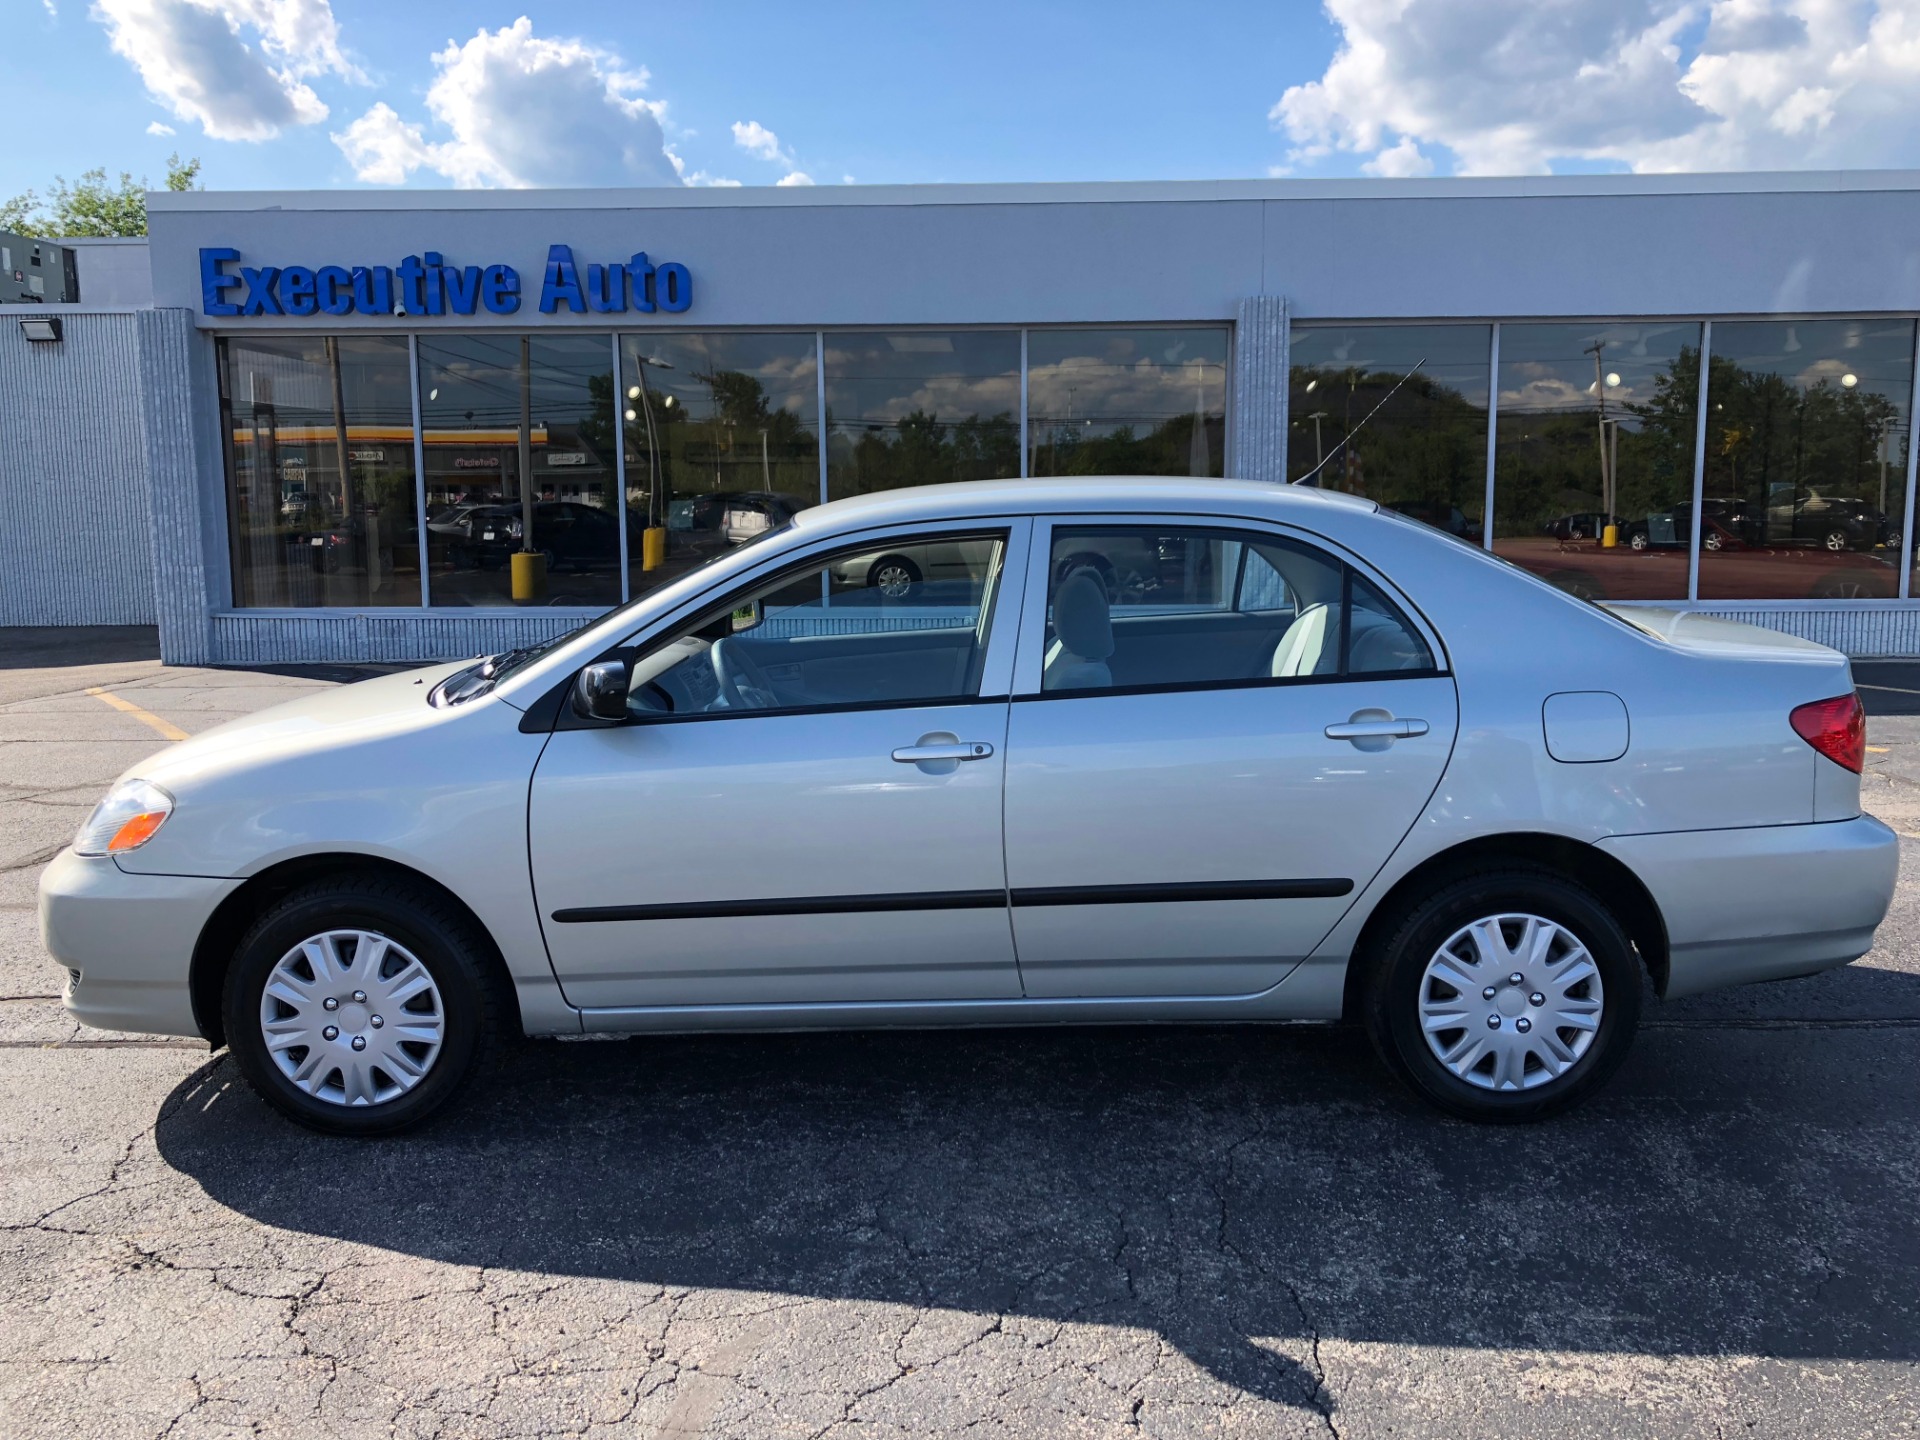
x: 600, y: 691
x: 747, y: 616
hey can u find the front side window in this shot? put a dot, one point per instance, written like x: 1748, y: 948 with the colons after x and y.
x: 896, y: 624
x: 1149, y: 607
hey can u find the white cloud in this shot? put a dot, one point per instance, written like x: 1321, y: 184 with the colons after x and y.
x: 522, y: 110
x: 1400, y: 162
x: 159, y: 127
x: 1517, y: 86
x: 195, y: 58
x: 795, y: 177
x: 53, y: 11
x: 758, y: 141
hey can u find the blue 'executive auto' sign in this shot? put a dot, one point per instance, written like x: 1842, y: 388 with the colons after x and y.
x: 427, y: 285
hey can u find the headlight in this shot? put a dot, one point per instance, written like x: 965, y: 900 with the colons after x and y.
x: 129, y: 817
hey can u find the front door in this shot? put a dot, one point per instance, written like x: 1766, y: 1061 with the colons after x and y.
x: 1221, y: 737
x: 804, y: 803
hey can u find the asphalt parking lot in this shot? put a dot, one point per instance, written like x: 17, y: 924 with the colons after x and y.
x: 1175, y: 1232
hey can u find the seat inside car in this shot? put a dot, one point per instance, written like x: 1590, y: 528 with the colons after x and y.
x: 1083, y: 636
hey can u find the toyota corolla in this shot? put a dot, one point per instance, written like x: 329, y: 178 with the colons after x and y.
x: 1132, y: 751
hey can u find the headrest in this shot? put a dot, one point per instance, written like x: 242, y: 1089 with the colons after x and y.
x: 1082, y: 620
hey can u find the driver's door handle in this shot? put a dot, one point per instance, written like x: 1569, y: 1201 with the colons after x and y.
x: 958, y: 750
x: 1376, y: 730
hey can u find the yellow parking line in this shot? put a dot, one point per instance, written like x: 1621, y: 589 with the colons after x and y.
x: 145, y: 717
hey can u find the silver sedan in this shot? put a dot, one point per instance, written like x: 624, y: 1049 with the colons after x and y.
x: 1135, y: 750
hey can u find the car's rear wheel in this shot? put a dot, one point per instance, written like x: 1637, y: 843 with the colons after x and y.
x: 1507, y: 995
x: 360, y: 1006
x: 1837, y: 540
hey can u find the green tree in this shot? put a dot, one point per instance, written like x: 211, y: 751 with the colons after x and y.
x: 92, y: 205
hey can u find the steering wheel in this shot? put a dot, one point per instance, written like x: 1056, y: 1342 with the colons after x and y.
x: 743, y: 684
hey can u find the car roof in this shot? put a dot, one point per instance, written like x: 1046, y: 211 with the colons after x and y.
x: 1070, y: 494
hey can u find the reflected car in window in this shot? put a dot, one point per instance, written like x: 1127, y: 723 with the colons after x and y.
x: 1833, y: 522
x: 704, y: 525
x: 1134, y: 750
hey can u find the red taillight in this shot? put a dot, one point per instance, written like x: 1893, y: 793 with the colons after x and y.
x: 1837, y: 728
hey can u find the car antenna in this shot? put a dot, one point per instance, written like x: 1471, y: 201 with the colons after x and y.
x: 1308, y: 477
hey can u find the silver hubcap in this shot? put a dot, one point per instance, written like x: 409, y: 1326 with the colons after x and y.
x: 893, y: 581
x: 352, y: 1018
x: 1510, y: 1002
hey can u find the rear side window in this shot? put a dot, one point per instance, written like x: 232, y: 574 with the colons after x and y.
x: 1150, y: 608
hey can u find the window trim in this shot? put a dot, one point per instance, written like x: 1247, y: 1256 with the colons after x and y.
x: 1000, y: 605
x: 1028, y: 665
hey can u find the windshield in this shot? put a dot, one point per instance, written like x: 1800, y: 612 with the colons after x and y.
x: 481, y: 676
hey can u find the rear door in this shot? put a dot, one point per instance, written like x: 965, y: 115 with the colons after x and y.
x: 1217, y: 737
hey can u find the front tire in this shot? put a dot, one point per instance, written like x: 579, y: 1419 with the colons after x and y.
x: 361, y: 1006
x: 1447, y: 1015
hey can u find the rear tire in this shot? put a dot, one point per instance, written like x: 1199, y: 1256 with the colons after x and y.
x: 1563, y: 1029
x: 384, y: 1008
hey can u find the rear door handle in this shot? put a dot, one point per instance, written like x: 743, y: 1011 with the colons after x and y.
x: 1376, y: 730
x: 958, y: 750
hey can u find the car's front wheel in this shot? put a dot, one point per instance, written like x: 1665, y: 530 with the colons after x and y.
x: 1507, y: 995
x: 360, y: 1006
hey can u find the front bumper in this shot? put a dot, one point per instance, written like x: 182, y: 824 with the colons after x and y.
x: 126, y: 941
x: 1767, y: 903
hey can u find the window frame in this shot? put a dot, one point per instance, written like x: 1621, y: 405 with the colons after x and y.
x: 1000, y: 607
x: 1029, y: 661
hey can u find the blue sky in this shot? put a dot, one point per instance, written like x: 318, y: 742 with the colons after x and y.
x: 336, y: 93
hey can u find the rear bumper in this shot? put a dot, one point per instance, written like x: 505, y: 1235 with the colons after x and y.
x: 1767, y: 903
x: 130, y: 938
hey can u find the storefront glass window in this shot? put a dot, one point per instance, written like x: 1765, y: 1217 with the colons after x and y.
x: 1597, y: 426
x: 306, y: 529
x: 1805, y: 487
x: 1425, y: 453
x: 920, y: 407
x: 512, y: 423
x: 722, y: 436
x: 1127, y: 402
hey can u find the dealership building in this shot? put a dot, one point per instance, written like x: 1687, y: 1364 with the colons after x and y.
x: 318, y: 426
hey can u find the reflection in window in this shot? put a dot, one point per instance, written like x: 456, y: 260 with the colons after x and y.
x: 722, y: 443
x: 1127, y: 402
x: 895, y: 625
x: 308, y: 530
x: 1805, y: 480
x: 519, y: 429
x: 920, y: 407
x: 1597, y: 426
x: 1425, y: 453
x: 1140, y: 607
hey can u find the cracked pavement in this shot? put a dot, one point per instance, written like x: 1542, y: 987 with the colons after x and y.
x: 1199, y: 1231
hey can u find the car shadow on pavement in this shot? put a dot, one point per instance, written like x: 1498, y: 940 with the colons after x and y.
x: 1242, y: 1192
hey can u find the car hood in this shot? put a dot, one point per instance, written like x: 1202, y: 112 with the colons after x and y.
x: 338, y: 716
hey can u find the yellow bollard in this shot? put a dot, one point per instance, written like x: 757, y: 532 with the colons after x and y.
x: 653, y: 547
x: 1610, y: 537
x: 529, y: 576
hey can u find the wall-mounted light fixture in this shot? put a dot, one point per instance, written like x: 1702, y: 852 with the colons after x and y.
x: 42, y: 331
